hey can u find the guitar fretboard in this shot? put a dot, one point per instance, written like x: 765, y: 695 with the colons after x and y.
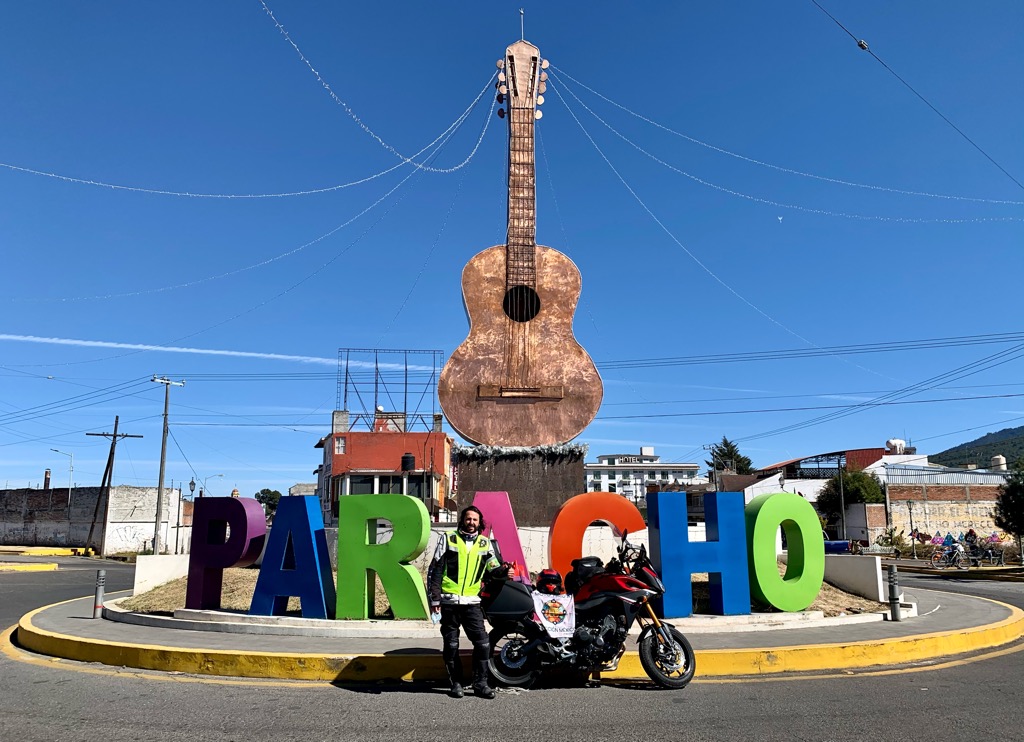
x: 521, y: 263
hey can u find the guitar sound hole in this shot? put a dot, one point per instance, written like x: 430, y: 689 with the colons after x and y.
x: 521, y: 304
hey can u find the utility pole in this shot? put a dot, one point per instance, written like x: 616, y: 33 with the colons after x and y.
x: 163, y: 459
x: 108, y: 476
x: 842, y: 499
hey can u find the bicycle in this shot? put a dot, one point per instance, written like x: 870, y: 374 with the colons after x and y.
x: 951, y: 556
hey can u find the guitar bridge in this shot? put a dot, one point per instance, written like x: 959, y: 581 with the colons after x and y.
x: 529, y: 393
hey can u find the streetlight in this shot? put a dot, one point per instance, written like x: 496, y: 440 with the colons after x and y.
x: 71, y: 474
x: 203, y: 488
x: 913, y: 536
x: 177, y: 533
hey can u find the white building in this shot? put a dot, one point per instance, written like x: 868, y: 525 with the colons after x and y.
x: 629, y: 474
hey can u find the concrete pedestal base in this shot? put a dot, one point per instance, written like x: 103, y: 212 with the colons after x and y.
x: 538, y: 480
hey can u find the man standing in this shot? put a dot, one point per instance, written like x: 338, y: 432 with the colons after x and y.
x: 462, y: 558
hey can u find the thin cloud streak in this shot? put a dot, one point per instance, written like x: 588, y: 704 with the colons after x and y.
x: 198, y: 351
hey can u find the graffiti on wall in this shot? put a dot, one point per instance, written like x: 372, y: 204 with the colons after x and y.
x: 944, y: 517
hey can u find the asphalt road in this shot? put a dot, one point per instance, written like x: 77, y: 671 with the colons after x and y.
x: 57, y: 700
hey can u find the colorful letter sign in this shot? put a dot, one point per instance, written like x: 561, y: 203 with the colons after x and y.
x: 360, y: 556
x: 565, y: 541
x: 805, y: 566
x: 722, y: 556
x: 739, y: 554
x: 213, y: 550
x: 296, y: 563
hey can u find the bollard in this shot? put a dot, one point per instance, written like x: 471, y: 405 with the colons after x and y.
x: 101, y: 580
x: 894, y: 593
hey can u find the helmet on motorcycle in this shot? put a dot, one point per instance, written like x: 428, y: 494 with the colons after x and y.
x: 550, y: 581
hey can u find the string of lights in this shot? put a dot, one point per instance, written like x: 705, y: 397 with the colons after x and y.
x: 253, y: 266
x: 348, y: 109
x: 279, y: 294
x: 780, y: 168
x: 679, y: 243
x: 780, y: 204
x: 284, y: 194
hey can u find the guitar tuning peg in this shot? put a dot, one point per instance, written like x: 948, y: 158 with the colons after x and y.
x: 543, y: 76
x: 501, y: 76
x: 501, y: 113
x: 501, y: 64
x: 502, y: 89
x: 501, y: 98
x: 542, y: 87
x: 538, y: 114
x: 544, y: 64
x: 540, y: 100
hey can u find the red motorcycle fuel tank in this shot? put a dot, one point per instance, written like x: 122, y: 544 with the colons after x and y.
x: 608, y: 583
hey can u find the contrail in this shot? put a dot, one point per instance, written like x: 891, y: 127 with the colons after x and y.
x: 196, y: 351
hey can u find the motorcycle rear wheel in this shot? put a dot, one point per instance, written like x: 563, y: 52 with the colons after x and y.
x: 508, y: 664
x: 670, y: 667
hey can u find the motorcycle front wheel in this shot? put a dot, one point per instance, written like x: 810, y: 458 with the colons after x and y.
x: 510, y: 664
x: 669, y: 666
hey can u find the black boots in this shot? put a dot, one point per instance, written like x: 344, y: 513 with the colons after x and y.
x: 480, y: 686
x: 455, y: 675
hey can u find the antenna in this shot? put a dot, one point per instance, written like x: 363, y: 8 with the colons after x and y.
x: 522, y: 24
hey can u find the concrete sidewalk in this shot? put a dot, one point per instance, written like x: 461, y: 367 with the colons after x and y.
x: 947, y: 624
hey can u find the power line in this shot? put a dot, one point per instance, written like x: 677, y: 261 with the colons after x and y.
x: 969, y: 369
x: 817, y: 351
x: 864, y: 45
x: 857, y: 406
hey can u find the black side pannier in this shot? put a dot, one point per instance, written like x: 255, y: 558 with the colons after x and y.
x: 582, y: 570
x: 505, y: 599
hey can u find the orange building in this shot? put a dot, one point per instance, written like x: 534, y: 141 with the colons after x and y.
x: 387, y: 459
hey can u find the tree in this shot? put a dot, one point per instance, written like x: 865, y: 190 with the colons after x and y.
x: 268, y: 499
x: 858, y: 486
x: 726, y: 456
x: 1009, y: 512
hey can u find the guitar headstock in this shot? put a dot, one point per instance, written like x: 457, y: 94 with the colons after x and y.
x: 521, y: 82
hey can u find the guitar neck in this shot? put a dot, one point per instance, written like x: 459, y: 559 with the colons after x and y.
x: 521, y: 263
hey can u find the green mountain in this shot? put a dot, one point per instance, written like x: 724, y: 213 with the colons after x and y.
x: 1008, y: 442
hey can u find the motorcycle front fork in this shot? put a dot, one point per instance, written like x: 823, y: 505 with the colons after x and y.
x: 659, y: 628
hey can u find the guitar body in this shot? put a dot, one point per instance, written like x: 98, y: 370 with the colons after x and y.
x: 520, y: 383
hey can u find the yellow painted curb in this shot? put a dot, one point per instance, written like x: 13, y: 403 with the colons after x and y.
x: 390, y: 667
x: 28, y: 566
x: 38, y: 550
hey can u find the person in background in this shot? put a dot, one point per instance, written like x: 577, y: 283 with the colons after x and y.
x: 462, y: 559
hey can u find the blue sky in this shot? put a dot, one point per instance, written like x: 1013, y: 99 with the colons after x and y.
x: 685, y: 249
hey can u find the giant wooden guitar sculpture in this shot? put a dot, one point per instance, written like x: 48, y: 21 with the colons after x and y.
x: 520, y: 378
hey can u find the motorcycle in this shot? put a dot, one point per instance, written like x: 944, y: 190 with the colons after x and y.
x: 529, y: 636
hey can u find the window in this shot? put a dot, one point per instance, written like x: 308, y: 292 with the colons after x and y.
x: 360, y: 484
x: 339, y: 444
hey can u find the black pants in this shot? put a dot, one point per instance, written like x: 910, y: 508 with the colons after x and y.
x: 471, y: 618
